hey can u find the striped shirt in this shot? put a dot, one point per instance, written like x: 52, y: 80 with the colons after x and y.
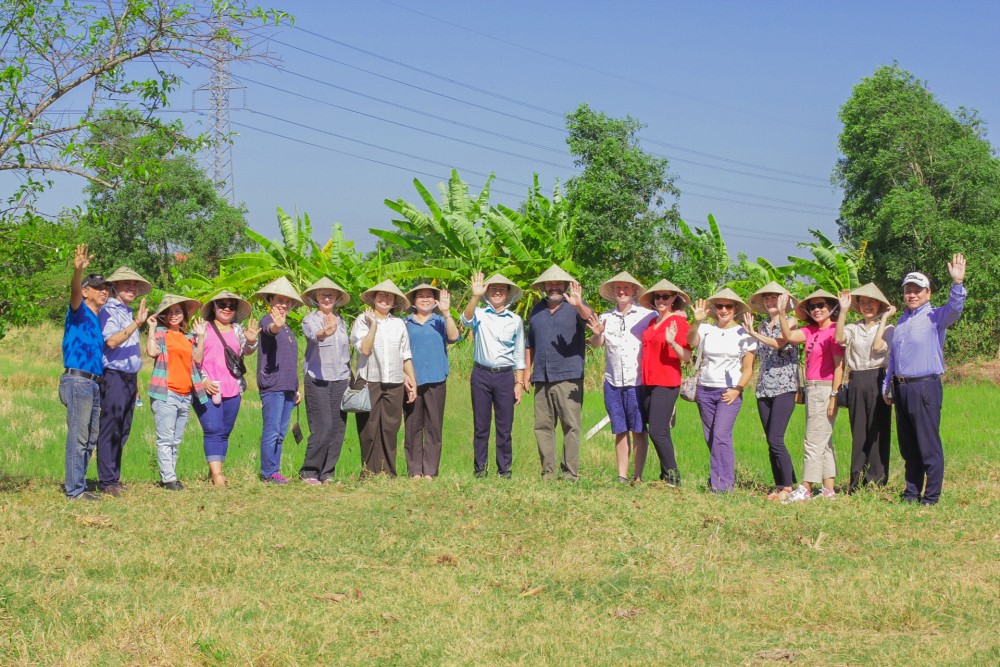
x: 158, y: 382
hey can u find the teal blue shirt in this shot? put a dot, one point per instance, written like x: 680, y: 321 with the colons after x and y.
x: 82, y: 343
x: 429, y: 346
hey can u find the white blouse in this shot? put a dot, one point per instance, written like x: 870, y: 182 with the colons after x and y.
x: 389, y: 350
x: 722, y: 355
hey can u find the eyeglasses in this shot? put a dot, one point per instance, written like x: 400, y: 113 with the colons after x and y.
x: 662, y: 297
x: 725, y: 306
x: 228, y: 304
x: 817, y: 305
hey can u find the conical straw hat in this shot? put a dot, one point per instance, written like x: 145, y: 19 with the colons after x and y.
x: 322, y: 284
x: 871, y: 291
x: 730, y: 295
x: 553, y: 273
x: 126, y: 273
x: 802, y: 310
x: 279, y: 287
x: 513, y: 291
x: 646, y: 299
x: 190, y: 306
x: 400, y: 303
x: 242, y: 309
x: 757, y: 299
x: 412, y: 294
x: 607, y: 289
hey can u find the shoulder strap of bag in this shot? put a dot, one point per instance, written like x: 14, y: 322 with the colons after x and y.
x: 701, y: 353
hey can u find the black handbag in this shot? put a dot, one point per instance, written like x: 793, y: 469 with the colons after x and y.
x: 234, y: 360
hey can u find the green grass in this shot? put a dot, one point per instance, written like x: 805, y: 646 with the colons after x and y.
x: 464, y: 571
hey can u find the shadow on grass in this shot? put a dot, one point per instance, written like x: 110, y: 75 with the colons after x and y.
x: 13, y: 483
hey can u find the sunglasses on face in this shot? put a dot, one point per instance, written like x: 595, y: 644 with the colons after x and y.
x: 226, y: 305
x: 662, y: 297
x: 725, y: 306
x: 817, y: 306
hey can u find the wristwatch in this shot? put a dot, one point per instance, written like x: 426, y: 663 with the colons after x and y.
x: 833, y: 393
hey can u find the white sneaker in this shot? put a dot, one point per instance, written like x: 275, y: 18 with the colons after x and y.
x: 827, y: 494
x: 800, y: 493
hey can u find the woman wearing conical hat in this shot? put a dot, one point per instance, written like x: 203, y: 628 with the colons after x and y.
x: 664, y: 350
x: 620, y: 331
x: 824, y: 372
x: 867, y: 354
x: 727, y: 351
x: 218, y: 329
x: 430, y: 335
x: 326, y: 372
x: 277, y: 374
x: 385, y: 363
x: 175, y: 382
x: 777, y: 382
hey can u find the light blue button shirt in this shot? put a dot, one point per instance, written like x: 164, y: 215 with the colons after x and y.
x: 917, y: 347
x: 499, y: 338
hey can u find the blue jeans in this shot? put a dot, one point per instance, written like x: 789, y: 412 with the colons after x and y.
x: 171, y: 416
x: 82, y: 398
x: 217, y: 422
x: 277, y: 408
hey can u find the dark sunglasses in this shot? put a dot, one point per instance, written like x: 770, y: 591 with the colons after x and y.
x: 725, y: 306
x: 228, y: 304
x: 816, y: 305
x: 662, y: 297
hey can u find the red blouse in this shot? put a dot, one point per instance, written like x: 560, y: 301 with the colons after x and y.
x: 661, y: 367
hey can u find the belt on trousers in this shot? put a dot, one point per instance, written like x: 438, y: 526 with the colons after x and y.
x: 493, y: 369
x: 83, y: 374
x: 922, y: 378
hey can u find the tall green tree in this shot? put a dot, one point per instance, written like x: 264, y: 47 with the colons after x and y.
x: 171, y: 221
x: 624, y: 201
x: 921, y: 183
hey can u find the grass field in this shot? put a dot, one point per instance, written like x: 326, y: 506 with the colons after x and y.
x: 464, y: 571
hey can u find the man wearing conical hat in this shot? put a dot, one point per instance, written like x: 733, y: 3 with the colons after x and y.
x: 497, y: 380
x: 554, y: 355
x: 620, y: 331
x: 913, y: 381
x: 122, y: 361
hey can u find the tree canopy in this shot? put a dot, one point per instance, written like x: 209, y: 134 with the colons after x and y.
x: 920, y: 183
x: 620, y: 200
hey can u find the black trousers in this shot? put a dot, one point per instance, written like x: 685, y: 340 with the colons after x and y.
x: 918, y: 425
x: 423, y: 421
x: 871, y: 428
x: 659, y: 404
x: 492, y: 393
x: 327, y: 426
x: 775, y: 413
x: 117, y: 405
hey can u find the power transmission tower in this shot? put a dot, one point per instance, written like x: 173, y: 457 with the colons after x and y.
x: 219, y: 85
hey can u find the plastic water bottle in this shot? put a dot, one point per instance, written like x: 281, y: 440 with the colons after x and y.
x: 217, y: 396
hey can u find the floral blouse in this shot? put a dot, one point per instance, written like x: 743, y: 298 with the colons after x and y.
x: 779, y: 369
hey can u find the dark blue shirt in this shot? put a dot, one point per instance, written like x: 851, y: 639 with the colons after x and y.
x: 83, y: 343
x: 428, y: 344
x: 557, y: 341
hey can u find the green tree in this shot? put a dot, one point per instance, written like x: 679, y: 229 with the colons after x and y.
x: 60, y: 55
x: 171, y: 222
x: 921, y: 183
x: 699, y: 260
x: 624, y: 201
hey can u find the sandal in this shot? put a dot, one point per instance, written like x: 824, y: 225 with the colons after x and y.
x: 219, y: 480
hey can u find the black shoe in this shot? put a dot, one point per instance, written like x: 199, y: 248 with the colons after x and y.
x: 113, y: 490
x: 171, y: 486
x: 672, y: 478
x: 504, y: 475
x: 480, y: 474
x: 86, y: 495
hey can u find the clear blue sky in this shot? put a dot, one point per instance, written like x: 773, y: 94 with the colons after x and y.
x: 723, y: 87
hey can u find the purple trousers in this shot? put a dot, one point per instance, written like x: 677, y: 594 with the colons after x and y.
x: 717, y: 420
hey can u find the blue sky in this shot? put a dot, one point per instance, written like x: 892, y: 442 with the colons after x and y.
x: 743, y: 97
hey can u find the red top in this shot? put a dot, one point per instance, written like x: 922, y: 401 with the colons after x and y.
x: 661, y: 367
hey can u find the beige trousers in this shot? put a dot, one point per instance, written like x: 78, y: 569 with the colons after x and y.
x: 820, y: 462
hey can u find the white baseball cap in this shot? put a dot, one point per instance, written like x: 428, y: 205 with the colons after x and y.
x: 918, y: 279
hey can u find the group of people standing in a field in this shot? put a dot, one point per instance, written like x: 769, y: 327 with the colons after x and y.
x: 401, y: 345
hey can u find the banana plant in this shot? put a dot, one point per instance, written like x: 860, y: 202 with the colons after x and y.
x: 831, y: 268
x: 701, y: 260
